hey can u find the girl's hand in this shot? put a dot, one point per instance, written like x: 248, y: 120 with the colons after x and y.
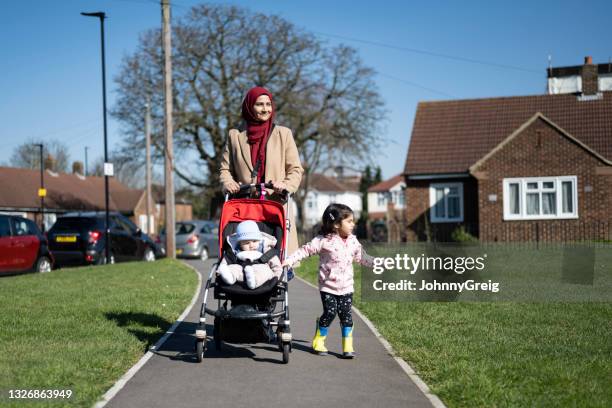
x: 279, y: 186
x: 232, y: 187
x: 286, y: 263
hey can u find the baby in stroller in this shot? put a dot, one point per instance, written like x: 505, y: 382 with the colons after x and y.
x: 255, y: 265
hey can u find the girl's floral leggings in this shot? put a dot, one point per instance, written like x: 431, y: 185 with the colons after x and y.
x: 336, y: 304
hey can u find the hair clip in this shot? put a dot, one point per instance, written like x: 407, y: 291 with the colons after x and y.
x: 331, y: 216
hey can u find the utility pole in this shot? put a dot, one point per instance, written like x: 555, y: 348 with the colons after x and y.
x: 169, y: 155
x: 86, y: 148
x: 148, y: 169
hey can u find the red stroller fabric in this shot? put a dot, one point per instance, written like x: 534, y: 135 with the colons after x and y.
x: 243, y: 209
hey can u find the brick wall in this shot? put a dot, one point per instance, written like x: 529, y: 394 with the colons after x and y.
x: 417, y: 211
x: 541, y: 150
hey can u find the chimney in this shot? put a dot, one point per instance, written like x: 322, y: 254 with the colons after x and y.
x: 77, y: 168
x: 49, y: 162
x: 339, y: 172
x: 589, y: 77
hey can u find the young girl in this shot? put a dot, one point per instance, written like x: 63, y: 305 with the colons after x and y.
x: 337, y: 249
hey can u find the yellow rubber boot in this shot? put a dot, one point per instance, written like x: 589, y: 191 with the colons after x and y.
x: 347, y: 342
x: 318, y: 342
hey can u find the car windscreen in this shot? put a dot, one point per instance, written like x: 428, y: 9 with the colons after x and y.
x: 182, y: 229
x: 74, y: 224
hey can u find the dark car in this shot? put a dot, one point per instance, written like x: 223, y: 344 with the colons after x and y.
x: 79, y: 239
x: 22, y: 246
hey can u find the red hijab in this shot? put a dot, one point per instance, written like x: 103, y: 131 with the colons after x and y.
x: 257, y: 132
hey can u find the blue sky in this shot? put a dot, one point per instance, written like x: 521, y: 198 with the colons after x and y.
x: 50, y: 63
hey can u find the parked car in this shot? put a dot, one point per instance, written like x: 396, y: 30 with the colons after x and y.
x: 79, y: 239
x: 195, y: 239
x: 22, y: 246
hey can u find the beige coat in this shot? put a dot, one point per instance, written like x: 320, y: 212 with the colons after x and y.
x: 282, y: 164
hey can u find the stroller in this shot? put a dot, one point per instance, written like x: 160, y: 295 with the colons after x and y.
x: 246, y: 315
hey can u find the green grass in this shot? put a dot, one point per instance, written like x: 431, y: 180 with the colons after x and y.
x: 499, y: 354
x: 82, y: 328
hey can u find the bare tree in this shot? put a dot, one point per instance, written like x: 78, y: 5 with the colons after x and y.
x: 27, y: 155
x: 128, y: 172
x: 325, y: 95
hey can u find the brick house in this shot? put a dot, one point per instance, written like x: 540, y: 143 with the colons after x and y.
x: 514, y: 168
x: 75, y: 192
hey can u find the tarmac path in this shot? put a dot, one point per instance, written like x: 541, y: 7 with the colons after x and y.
x: 252, y: 375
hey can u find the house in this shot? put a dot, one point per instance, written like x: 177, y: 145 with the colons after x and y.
x: 383, y: 193
x: 515, y: 168
x: 325, y: 190
x: 75, y: 192
x: 386, y: 206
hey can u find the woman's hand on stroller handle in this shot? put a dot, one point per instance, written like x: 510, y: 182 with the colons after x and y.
x: 241, y: 189
x: 232, y: 187
x: 279, y: 187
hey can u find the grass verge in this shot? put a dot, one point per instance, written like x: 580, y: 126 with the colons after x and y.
x: 82, y: 328
x: 499, y: 354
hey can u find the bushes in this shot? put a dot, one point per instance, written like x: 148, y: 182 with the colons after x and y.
x: 460, y: 234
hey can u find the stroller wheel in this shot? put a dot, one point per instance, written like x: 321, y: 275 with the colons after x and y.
x: 199, y: 350
x: 286, y: 350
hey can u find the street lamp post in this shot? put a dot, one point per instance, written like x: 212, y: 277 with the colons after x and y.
x: 107, y: 171
x: 41, y: 191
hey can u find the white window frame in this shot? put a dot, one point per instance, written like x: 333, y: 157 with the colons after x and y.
x: 401, y: 198
x: 432, y: 202
x: 381, y: 199
x: 522, y: 182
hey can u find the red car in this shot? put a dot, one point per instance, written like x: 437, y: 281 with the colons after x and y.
x: 22, y: 246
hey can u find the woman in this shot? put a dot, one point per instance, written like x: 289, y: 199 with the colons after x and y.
x: 261, y: 152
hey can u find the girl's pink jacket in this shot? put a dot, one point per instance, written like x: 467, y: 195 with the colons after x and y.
x: 336, y: 257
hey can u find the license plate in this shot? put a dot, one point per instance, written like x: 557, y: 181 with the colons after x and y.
x: 179, y: 251
x: 72, y: 238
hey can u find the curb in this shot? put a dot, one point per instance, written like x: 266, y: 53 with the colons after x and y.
x: 134, y: 369
x: 433, y: 398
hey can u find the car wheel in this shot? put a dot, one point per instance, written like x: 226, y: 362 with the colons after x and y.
x: 204, y: 254
x: 43, y: 265
x: 149, y: 255
x: 102, y: 259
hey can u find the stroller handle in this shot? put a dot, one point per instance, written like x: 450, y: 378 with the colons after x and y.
x: 245, y: 188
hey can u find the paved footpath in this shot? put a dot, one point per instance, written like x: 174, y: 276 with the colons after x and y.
x: 252, y: 375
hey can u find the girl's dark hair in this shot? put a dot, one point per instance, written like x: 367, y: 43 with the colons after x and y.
x: 332, y: 216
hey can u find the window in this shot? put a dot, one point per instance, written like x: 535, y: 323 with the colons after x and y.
x: 183, y: 228
x: 32, y: 228
x: 382, y: 199
x: 20, y: 227
x: 538, y: 198
x: 446, y: 202
x: 5, y: 229
x: 398, y: 198
x: 119, y: 225
x: 209, y: 229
